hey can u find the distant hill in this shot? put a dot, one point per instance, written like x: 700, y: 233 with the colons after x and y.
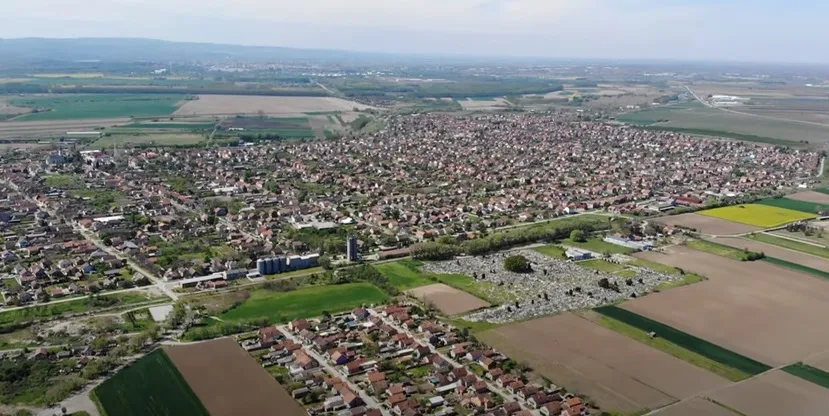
x: 133, y: 50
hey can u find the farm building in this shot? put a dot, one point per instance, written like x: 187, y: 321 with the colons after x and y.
x: 624, y: 242
x: 576, y: 254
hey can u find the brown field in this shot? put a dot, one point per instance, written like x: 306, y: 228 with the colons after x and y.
x: 244, y: 104
x: 773, y: 394
x: 43, y: 129
x: 771, y: 250
x: 820, y: 361
x: 707, y: 225
x: 753, y: 308
x: 230, y: 382
x: 493, y: 104
x: 696, y: 407
x: 616, y: 371
x: 810, y: 196
x: 447, y: 299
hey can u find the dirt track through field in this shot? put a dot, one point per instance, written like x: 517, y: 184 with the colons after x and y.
x: 707, y: 225
x: 229, y: 382
x: 447, y: 299
x: 616, y: 371
x: 757, y: 309
x: 245, y: 104
x: 775, y: 393
x: 810, y: 196
x: 775, y: 251
x: 696, y: 407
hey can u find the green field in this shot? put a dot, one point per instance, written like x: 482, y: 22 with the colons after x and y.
x: 304, y: 303
x: 64, y: 181
x: 607, y: 267
x: 824, y: 190
x: 161, y: 139
x: 152, y: 386
x: 687, y: 278
x: 171, y: 126
x: 554, y: 251
x: 597, y: 245
x: 718, y: 249
x: 695, y: 118
x: 793, y: 204
x: 757, y: 215
x: 798, y: 267
x: 792, y: 245
x: 809, y: 373
x: 69, y: 107
x: 677, y: 351
x: 403, y: 274
x: 684, y: 340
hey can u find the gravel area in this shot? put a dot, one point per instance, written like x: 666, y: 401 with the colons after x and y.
x: 554, y: 286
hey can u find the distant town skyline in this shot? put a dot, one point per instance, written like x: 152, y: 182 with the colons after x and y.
x: 736, y: 30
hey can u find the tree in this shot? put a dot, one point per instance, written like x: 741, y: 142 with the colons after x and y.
x: 517, y: 264
x: 578, y: 236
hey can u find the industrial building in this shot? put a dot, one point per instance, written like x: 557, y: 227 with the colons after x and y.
x: 352, y: 250
x: 281, y: 264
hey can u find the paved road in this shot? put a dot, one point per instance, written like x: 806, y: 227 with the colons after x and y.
x: 369, y: 401
x: 508, y: 397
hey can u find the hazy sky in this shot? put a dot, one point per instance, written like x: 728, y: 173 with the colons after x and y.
x: 743, y: 30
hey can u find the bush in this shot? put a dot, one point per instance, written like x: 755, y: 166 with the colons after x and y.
x: 517, y: 264
x: 578, y: 236
x: 434, y: 251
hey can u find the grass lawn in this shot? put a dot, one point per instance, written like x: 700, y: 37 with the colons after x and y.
x: 474, y: 327
x: 162, y: 139
x: 672, y: 349
x: 718, y: 249
x: 18, y: 316
x: 553, y: 251
x: 602, y: 265
x: 64, y: 181
x: 700, y: 346
x: 809, y: 373
x: 302, y: 272
x: 597, y: 245
x: 757, y: 215
x: 483, y: 290
x: 304, y: 303
x: 403, y: 274
x: 152, y: 386
x: 70, y: 106
x: 792, y: 245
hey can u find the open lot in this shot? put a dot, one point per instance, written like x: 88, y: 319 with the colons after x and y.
x: 775, y: 393
x: 126, y: 140
x: 616, y: 371
x: 71, y: 106
x: 241, y: 104
x: 768, y: 306
x: 403, y: 275
x: 229, y: 381
x: 757, y: 215
x: 447, y: 299
x: 777, y: 252
x: 810, y: 196
x: 696, y: 407
x: 707, y: 225
x: 152, y: 386
x: 304, y: 303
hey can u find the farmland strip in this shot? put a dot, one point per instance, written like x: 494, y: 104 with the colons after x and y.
x: 793, y: 204
x: 809, y: 373
x: 687, y: 341
x: 798, y: 267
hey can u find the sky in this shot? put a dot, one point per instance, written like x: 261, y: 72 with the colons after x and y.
x: 709, y: 30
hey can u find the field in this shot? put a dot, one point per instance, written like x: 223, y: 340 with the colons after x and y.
x: 45, y: 129
x: 607, y: 267
x: 798, y: 205
x: 757, y: 215
x: 448, y: 300
x: 71, y: 107
x: 482, y: 290
x: 721, y: 250
x: 685, y: 340
x: 126, y: 140
x: 403, y: 275
x: 597, y: 245
x: 553, y: 251
x: 33, y: 313
x: 694, y: 118
x: 775, y: 393
x: 762, y: 243
x: 810, y: 196
x: 767, y: 305
x: 229, y: 381
x: 239, y: 104
x: 809, y: 373
x: 286, y: 127
x: 151, y: 386
x: 707, y: 225
x: 484, y: 103
x: 696, y: 407
x: 617, y: 372
x: 304, y: 303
